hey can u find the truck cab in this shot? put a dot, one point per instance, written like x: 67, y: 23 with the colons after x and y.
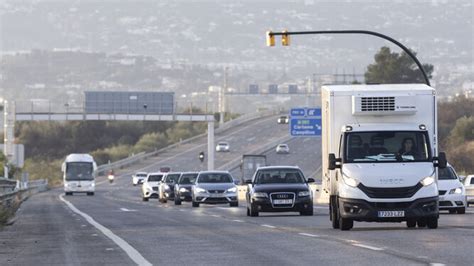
x: 79, y: 174
x: 380, y: 154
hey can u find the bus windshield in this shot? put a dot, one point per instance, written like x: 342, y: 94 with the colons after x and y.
x: 386, y: 146
x: 77, y: 171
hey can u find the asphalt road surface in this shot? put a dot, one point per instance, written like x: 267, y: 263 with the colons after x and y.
x: 115, y: 227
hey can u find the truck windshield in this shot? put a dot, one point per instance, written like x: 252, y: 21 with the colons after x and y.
x: 386, y: 146
x: 77, y: 171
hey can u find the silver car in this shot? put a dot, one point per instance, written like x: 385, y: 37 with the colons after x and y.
x: 215, y: 187
x: 223, y: 147
x: 282, y: 149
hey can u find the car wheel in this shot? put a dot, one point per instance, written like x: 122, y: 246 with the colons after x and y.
x: 234, y: 204
x: 248, y: 211
x: 462, y: 210
x: 411, y: 223
x: 134, y: 185
x: 177, y: 201
x: 144, y: 199
x: 421, y: 223
x: 164, y: 200
x: 68, y: 193
x: 253, y: 212
x: 195, y: 204
x: 432, y: 222
x: 452, y: 211
x: 90, y: 193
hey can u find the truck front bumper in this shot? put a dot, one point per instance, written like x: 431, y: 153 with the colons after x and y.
x: 362, y: 210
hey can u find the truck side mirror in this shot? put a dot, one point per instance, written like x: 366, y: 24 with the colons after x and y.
x: 441, y: 160
x: 333, y: 162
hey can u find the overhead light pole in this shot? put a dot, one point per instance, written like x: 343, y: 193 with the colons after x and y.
x: 285, y: 41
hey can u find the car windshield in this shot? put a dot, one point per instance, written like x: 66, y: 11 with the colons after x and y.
x: 215, y: 178
x: 187, y: 179
x: 386, y: 146
x: 283, y: 146
x: 172, y: 178
x: 155, y: 178
x: 279, y: 176
x: 446, y: 174
x: 223, y: 144
x: 79, y: 171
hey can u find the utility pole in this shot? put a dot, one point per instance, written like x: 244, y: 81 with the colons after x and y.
x: 222, y: 103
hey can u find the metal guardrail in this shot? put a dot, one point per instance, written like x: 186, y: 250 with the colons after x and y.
x: 102, y: 169
x: 13, y: 191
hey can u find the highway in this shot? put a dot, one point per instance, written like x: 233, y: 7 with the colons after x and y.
x: 115, y: 227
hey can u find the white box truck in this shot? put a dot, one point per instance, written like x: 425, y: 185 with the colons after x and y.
x: 380, y: 154
x: 79, y: 174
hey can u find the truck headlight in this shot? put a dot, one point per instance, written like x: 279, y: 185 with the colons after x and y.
x: 350, y: 181
x: 183, y: 190
x: 427, y: 181
x: 303, y: 194
x: 200, y: 190
x: 92, y: 184
x: 457, y: 190
x: 231, y: 190
x: 260, y: 195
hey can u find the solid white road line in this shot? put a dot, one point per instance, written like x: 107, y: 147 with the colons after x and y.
x: 306, y: 234
x: 267, y: 225
x: 131, y: 252
x: 367, y: 247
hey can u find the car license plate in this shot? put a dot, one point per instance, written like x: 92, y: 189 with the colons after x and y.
x: 283, y: 201
x: 383, y: 214
x: 216, y: 195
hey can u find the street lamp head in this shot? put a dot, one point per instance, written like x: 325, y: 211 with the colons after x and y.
x: 270, y: 38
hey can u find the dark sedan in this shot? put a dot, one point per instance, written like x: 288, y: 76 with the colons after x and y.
x: 183, y: 189
x: 279, y: 189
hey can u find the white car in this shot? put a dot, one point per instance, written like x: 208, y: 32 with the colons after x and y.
x: 282, y: 148
x: 452, y: 195
x: 469, y: 187
x: 283, y: 119
x: 222, y: 146
x: 150, y: 187
x: 138, y: 178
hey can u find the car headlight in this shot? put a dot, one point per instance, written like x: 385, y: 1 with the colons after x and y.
x: 232, y: 190
x: 200, y: 190
x: 350, y: 181
x: 167, y: 187
x: 427, y: 181
x: 92, y: 184
x: 260, y: 195
x: 183, y: 190
x: 457, y: 190
x: 303, y: 194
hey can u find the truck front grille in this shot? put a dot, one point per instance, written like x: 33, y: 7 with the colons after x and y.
x: 390, y: 193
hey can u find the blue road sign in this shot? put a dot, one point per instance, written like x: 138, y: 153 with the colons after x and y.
x: 305, y: 122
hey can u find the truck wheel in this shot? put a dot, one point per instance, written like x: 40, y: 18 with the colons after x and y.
x: 195, y: 204
x: 68, y: 193
x: 421, y: 223
x: 90, y: 193
x: 333, y: 216
x: 345, y: 224
x: 411, y: 223
x: 462, y: 210
x: 234, y: 204
x: 432, y: 222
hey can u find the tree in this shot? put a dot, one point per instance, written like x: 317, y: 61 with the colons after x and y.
x: 395, y: 68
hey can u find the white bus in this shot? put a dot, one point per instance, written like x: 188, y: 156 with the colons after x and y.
x: 79, y: 174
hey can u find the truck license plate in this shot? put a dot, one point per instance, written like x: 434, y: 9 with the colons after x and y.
x: 383, y: 214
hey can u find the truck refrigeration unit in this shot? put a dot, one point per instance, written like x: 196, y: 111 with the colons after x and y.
x: 79, y: 174
x: 380, y: 154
